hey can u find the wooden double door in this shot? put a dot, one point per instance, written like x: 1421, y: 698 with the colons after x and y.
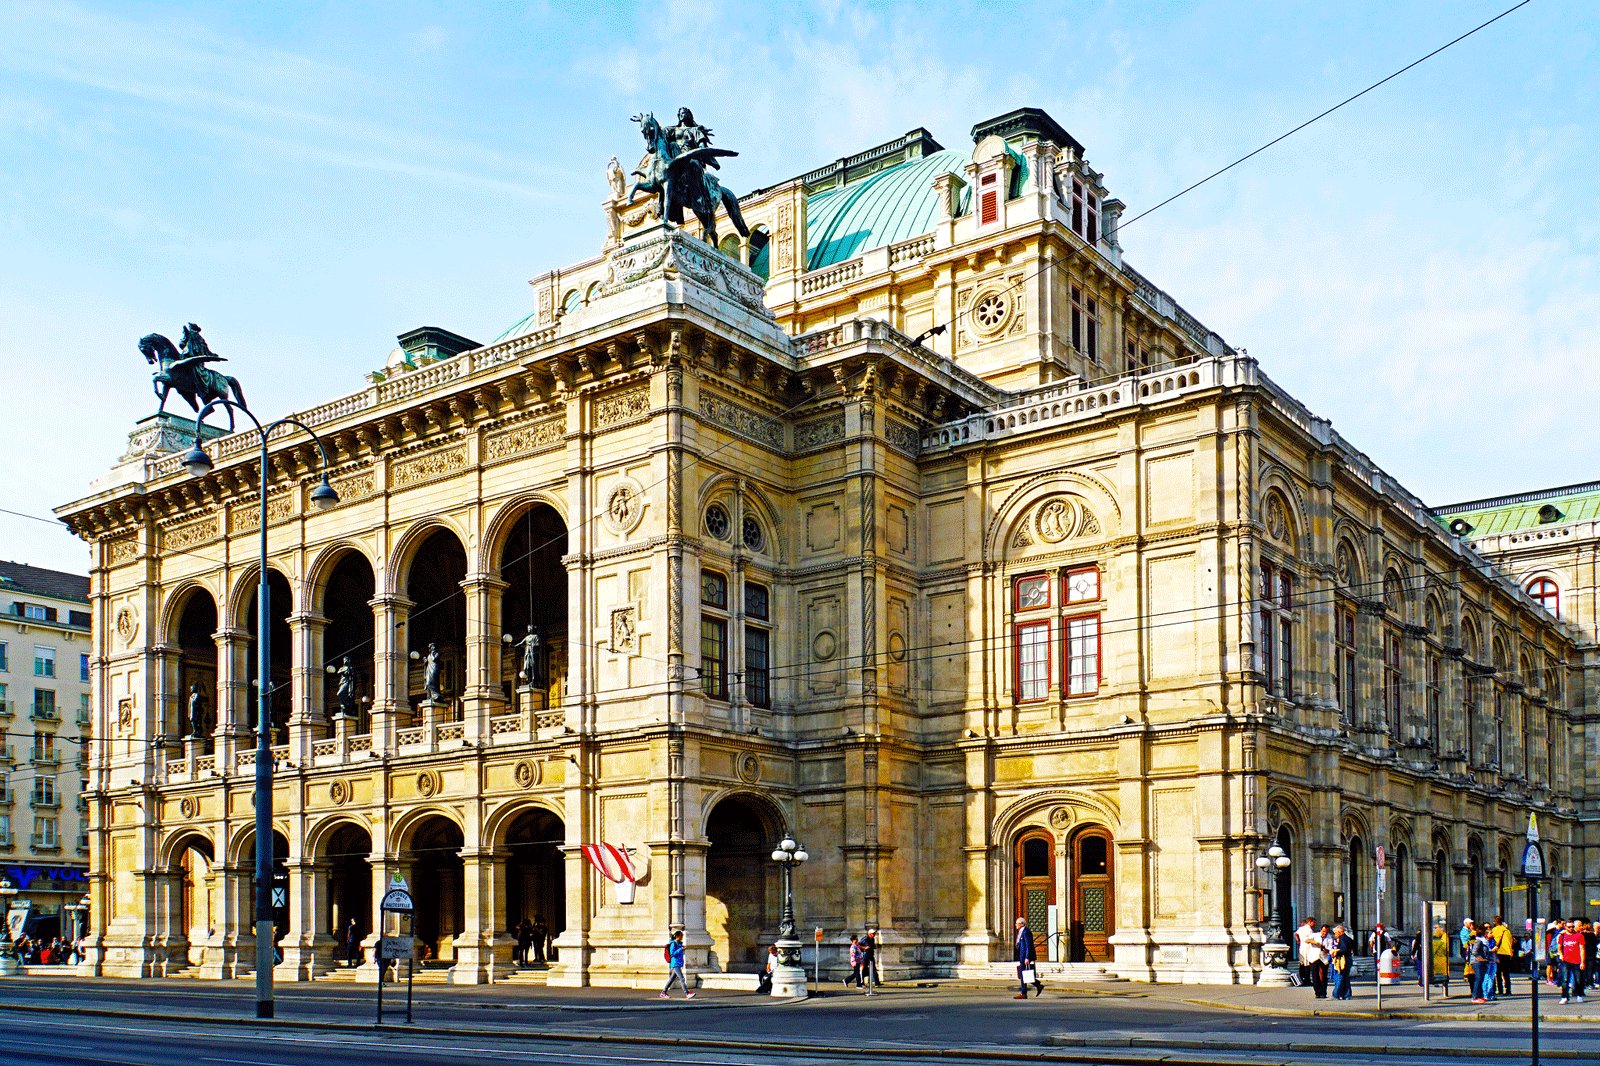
x: 1090, y: 912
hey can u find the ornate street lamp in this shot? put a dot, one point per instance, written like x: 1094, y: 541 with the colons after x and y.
x: 1274, y: 953
x: 8, y: 950
x: 789, y: 976
x: 198, y: 463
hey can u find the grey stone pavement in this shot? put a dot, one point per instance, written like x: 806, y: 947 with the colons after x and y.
x: 976, y: 1022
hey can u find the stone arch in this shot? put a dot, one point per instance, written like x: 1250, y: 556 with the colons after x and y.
x: 504, y: 519
x: 756, y: 501
x: 1396, y: 588
x: 499, y: 820
x: 741, y: 896
x: 532, y: 836
x: 319, y: 832
x: 777, y: 821
x: 343, y: 854
x: 404, y: 551
x: 191, y: 625
x: 1353, y: 823
x: 1038, y: 809
x: 175, y: 842
x: 592, y: 293
x: 241, y: 845
x: 1274, y: 478
x: 1471, y: 639
x: 1279, y: 519
x: 1349, y: 566
x: 1019, y: 504
x: 176, y: 601
x: 1292, y: 810
x: 760, y: 254
x: 400, y: 832
x: 243, y: 592
x: 323, y: 564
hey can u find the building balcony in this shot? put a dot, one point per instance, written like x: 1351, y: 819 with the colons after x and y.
x: 51, y: 804
x: 41, y: 844
x: 46, y: 759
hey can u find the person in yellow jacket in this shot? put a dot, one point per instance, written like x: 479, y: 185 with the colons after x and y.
x: 1505, y: 950
x: 1441, y: 957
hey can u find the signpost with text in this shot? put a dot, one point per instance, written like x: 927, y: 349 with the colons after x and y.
x: 1532, y: 874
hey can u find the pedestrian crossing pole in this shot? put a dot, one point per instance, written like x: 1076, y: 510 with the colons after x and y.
x: 1533, y: 873
x: 1377, y: 922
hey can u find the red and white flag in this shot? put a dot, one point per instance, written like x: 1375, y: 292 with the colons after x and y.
x: 611, y: 861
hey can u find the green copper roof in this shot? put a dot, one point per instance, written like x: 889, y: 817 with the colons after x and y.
x: 892, y: 205
x: 1527, y: 510
x: 523, y: 325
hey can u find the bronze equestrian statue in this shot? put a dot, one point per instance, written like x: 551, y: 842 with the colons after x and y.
x: 183, y: 371
x: 675, y: 169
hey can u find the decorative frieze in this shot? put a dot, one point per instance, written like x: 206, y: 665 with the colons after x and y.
x: 901, y: 437
x: 523, y: 439
x: 623, y: 406
x: 741, y: 420
x: 818, y: 433
x: 246, y: 517
x: 120, y: 550
x: 190, y: 534
x: 354, y: 486
x: 441, y: 462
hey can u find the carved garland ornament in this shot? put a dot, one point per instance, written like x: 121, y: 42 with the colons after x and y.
x: 621, y: 406
x: 522, y: 439
x: 429, y: 465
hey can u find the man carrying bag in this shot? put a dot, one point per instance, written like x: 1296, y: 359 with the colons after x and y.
x: 1027, y: 962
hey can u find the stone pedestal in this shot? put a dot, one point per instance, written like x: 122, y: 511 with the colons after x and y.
x: 1274, y: 972
x: 789, y: 978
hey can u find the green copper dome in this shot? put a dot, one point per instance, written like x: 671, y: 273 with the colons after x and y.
x: 890, y: 206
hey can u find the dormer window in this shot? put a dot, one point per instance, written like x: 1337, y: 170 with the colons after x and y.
x: 989, y: 199
x: 1550, y: 513
x: 1085, y: 212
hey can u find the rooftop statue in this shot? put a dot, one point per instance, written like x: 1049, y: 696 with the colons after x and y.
x: 677, y: 167
x: 182, y: 370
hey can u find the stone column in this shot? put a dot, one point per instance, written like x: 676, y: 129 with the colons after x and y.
x: 307, y: 945
x: 230, y: 950
x: 171, y: 941
x: 482, y: 696
x: 482, y: 947
x: 233, y: 697
x: 308, y: 719
x: 390, y: 669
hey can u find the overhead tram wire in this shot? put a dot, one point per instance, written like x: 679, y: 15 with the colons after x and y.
x: 1051, y: 261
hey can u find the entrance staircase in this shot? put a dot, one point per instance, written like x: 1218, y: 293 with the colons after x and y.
x: 1062, y: 973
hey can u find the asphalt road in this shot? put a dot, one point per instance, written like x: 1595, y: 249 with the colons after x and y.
x: 204, y: 1024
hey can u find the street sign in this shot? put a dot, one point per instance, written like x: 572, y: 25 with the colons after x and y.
x: 1382, y: 859
x: 396, y: 947
x: 818, y: 934
x: 1533, y: 828
x: 1383, y: 885
x: 1532, y: 860
x: 398, y: 897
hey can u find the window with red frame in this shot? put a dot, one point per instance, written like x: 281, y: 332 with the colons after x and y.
x: 1033, y: 660
x: 1083, y: 585
x: 1546, y: 594
x: 1033, y: 592
x: 1083, y: 655
x: 988, y: 200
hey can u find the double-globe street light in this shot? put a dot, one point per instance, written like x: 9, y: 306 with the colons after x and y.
x: 198, y: 463
x: 788, y: 976
x: 1274, y: 953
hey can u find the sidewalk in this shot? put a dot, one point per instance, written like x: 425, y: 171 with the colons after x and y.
x: 1399, y: 1001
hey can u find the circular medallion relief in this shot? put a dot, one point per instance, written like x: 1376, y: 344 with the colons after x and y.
x: 427, y: 784
x: 527, y: 773
x: 1060, y: 818
x: 897, y: 647
x: 190, y: 806
x: 127, y: 624
x: 991, y: 310
x: 824, y: 645
x: 624, y: 508
x: 1277, y: 519
x: 1055, y: 521
x: 749, y: 768
x: 1345, y: 563
x: 339, y: 793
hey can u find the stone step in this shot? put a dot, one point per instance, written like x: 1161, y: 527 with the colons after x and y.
x: 1061, y: 972
x: 738, y: 982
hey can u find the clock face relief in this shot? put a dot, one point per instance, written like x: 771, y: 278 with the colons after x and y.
x: 1033, y: 592
x: 1083, y: 585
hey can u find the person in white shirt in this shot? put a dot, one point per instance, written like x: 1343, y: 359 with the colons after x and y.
x: 1313, y: 958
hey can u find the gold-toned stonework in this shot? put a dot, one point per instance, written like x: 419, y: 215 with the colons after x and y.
x: 614, y: 408
x: 429, y: 466
x: 523, y: 439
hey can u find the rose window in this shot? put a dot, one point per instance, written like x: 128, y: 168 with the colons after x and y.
x: 717, y: 522
x: 990, y: 311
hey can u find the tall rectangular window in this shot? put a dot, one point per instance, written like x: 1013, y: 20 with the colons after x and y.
x: 1083, y: 655
x: 1085, y: 325
x: 1391, y: 684
x: 5, y: 658
x: 1344, y: 670
x: 988, y: 200
x: 44, y: 747
x: 5, y: 828
x: 1499, y: 724
x: 1085, y: 212
x: 44, y: 791
x: 44, y: 704
x: 1435, y: 700
x: 83, y: 708
x: 714, y: 657
x: 757, y: 660
x: 44, y: 661
x: 1277, y: 652
x: 45, y: 833
x: 1033, y: 661
x: 83, y: 668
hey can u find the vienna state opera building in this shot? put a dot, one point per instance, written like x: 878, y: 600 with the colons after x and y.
x: 1064, y: 611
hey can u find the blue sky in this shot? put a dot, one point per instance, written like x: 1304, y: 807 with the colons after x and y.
x: 306, y: 182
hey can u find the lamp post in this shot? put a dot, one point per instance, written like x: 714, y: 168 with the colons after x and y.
x: 198, y: 463
x: 1274, y: 952
x: 788, y: 976
x: 8, y: 950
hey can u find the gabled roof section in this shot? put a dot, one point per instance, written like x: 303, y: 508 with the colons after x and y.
x: 22, y: 578
x: 1526, y: 510
x: 892, y: 205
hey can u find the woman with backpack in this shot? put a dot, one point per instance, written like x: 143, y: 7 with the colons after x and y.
x: 672, y: 953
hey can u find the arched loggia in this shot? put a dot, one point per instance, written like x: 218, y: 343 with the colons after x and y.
x: 280, y: 605
x: 347, y: 605
x: 535, y: 595
x: 438, y: 616
x: 195, y: 636
x: 741, y: 882
x: 536, y: 883
x: 438, y: 886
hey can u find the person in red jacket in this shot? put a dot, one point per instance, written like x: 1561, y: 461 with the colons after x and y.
x: 1574, y: 961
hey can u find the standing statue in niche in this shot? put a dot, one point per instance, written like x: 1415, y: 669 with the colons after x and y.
x: 346, y: 693
x: 675, y: 168
x: 532, y: 672
x: 430, y: 676
x: 197, y: 712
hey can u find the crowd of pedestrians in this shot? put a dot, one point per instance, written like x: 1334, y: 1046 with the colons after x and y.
x: 55, y: 951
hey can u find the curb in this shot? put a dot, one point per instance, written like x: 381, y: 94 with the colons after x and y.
x: 1323, y: 1050
x: 1389, y: 1015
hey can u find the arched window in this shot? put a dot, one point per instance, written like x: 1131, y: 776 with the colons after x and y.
x: 1353, y: 911
x: 571, y: 302
x: 1401, y: 884
x: 1546, y: 594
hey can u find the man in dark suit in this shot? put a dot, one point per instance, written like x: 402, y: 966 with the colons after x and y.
x: 1026, y: 960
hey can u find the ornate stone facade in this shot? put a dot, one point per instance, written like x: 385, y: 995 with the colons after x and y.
x: 1071, y: 625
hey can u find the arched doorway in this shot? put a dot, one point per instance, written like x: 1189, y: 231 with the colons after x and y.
x: 280, y: 605
x: 536, y: 883
x: 1402, y: 887
x: 348, y: 855
x: 1475, y: 882
x: 1033, y: 866
x: 1441, y: 875
x: 280, y: 884
x: 197, y: 665
x: 740, y: 880
x: 347, y: 605
x: 438, y: 613
x: 438, y: 886
x: 194, y: 897
x: 1283, y: 888
x: 1093, y: 897
x: 1354, y: 860
x: 536, y: 595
